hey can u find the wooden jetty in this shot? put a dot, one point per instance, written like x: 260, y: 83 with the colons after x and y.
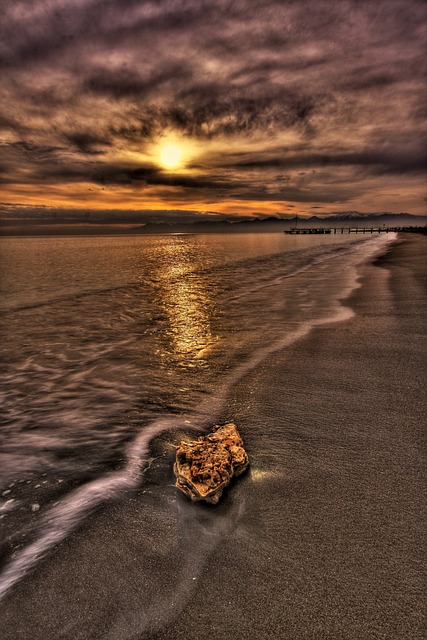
x: 334, y: 230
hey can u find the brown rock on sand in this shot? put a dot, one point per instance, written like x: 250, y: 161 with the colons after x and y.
x: 204, y: 467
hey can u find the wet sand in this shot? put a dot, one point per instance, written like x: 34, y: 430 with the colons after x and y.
x: 325, y: 537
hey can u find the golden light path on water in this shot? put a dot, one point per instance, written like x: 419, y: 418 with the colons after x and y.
x: 187, y: 304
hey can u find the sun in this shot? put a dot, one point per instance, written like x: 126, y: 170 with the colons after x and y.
x: 171, y: 156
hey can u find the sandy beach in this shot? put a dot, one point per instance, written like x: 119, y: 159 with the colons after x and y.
x: 324, y: 537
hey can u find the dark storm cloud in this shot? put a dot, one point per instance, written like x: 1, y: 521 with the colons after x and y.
x: 47, y: 161
x: 207, y: 116
x: 123, y: 82
x: 377, y: 161
x: 84, y: 82
x: 86, y: 141
x: 41, y: 31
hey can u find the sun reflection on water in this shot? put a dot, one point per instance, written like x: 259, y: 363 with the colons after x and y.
x: 187, y: 303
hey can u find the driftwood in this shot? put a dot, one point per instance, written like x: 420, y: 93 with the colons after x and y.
x: 204, y: 467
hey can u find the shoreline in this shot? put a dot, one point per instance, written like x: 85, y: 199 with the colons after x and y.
x: 324, y: 537
x: 332, y: 535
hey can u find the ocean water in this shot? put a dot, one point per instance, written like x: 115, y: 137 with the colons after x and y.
x: 108, y: 343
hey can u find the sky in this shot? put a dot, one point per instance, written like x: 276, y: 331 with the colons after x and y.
x: 130, y: 110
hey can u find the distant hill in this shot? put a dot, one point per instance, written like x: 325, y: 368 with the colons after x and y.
x: 272, y: 224
x: 355, y: 217
x: 242, y: 226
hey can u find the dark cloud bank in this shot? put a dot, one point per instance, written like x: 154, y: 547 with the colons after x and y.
x: 307, y: 101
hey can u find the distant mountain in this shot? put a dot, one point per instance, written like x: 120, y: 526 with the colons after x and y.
x: 267, y: 225
x: 351, y: 215
x: 356, y: 215
x: 273, y: 224
x: 356, y: 218
x: 238, y: 224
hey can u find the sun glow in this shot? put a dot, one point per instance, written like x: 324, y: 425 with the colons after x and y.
x: 171, y: 156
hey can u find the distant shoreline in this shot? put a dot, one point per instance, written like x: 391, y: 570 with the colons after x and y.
x: 267, y: 225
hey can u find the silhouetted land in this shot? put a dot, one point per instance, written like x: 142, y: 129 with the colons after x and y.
x: 232, y: 225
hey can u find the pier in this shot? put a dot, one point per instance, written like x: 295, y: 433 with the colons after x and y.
x: 334, y: 230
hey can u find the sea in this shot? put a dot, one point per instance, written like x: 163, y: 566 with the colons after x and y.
x: 110, y: 344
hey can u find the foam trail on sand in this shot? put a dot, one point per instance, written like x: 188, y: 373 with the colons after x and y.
x: 66, y: 516
x: 62, y: 519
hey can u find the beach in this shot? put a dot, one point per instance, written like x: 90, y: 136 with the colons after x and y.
x: 213, y: 225
x: 336, y: 533
x: 323, y: 537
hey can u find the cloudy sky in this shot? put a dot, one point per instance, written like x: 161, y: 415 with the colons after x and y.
x: 228, y: 106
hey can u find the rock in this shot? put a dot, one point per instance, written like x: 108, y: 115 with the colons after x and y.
x: 204, y: 467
